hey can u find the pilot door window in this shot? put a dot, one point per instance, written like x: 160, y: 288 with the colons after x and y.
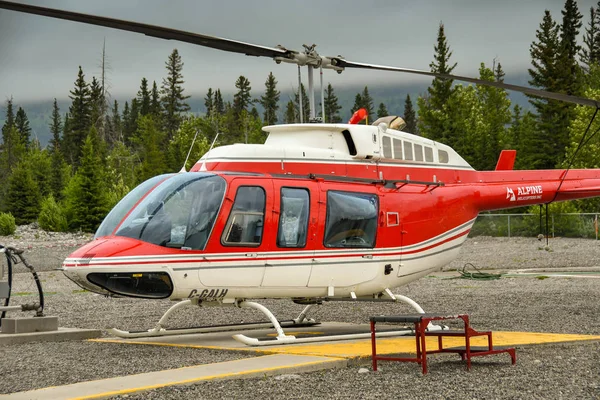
x: 351, y: 219
x: 293, y: 218
x: 245, y: 224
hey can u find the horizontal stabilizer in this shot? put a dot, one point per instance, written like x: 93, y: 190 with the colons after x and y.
x: 506, y: 161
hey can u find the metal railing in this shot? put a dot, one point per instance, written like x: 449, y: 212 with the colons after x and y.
x: 578, y: 225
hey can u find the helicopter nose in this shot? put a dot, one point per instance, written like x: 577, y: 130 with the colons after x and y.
x: 100, y: 266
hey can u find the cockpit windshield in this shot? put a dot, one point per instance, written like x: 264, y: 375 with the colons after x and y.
x: 178, y: 213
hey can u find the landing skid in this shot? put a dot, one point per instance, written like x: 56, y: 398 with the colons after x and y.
x: 281, y: 338
x: 160, y: 330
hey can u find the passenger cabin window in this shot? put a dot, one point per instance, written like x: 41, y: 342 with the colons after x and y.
x: 293, y: 217
x: 443, y: 156
x: 398, y: 149
x: 418, y: 152
x: 408, y: 153
x: 245, y: 224
x: 351, y: 219
x: 387, y: 147
x: 428, y: 154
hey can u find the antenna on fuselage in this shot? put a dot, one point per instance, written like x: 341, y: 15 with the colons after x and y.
x: 189, y: 151
x: 203, y: 167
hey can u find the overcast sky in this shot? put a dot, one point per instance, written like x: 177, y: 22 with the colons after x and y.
x: 39, y: 56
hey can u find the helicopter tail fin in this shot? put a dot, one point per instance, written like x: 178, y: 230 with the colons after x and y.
x: 506, y: 161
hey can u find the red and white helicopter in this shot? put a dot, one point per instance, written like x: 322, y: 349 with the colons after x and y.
x: 320, y: 212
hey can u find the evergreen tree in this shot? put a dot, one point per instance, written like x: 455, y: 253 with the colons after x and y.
x: 179, y: 146
x: 173, y: 99
x: 96, y: 103
x: 58, y: 166
x: 219, y: 105
x: 382, y: 111
x: 290, y: 113
x: 332, y: 108
x: 126, y: 117
x: 242, y: 98
x: 553, y: 115
x: 143, y: 98
x: 270, y: 100
x: 305, y: 105
x: 79, y: 120
x: 590, y: 54
x: 435, y: 122
x: 55, y: 127
x: 86, y: 193
x: 40, y: 163
x: 367, y: 104
x: 209, y: 103
x: 358, y: 104
x: 22, y: 125
x: 410, y: 117
x: 149, y: 141
x: 9, y: 120
x: 155, y: 101
x: 116, y: 124
x: 22, y: 196
x: 13, y: 150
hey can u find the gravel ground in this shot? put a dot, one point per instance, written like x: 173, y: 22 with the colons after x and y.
x: 529, y: 304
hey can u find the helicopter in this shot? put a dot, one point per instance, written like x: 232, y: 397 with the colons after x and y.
x: 319, y: 212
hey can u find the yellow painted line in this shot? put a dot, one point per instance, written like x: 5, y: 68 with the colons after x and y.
x: 362, y: 348
x: 404, y: 344
x: 204, y: 378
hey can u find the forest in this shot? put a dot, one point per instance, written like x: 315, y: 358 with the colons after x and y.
x: 101, y: 149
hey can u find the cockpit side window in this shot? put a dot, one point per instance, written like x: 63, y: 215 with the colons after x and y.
x: 351, y: 219
x: 246, y: 220
x: 293, y: 217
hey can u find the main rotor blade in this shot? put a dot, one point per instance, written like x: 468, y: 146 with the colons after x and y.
x: 152, y: 30
x: 501, y: 85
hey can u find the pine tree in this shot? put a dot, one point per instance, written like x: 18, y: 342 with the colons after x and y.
x: 242, y: 98
x: 590, y: 54
x: 9, y: 120
x: 143, y: 97
x: 435, y: 121
x: 115, y: 123
x: 125, y: 118
x: 305, y: 105
x: 219, y: 105
x: 441, y: 89
x: 40, y: 163
x: 86, y: 193
x: 96, y: 103
x: 13, y: 150
x: 22, y: 125
x: 22, y: 196
x: 270, y: 100
x: 149, y: 141
x: 549, y: 60
x: 209, y: 103
x: 155, y: 101
x: 410, y: 117
x: 358, y: 103
x: 57, y: 172
x: 332, y: 108
x: 173, y: 99
x: 79, y: 120
x: 367, y: 104
x: 382, y: 111
x: 290, y: 113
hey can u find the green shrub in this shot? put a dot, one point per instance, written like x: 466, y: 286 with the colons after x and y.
x: 7, y: 224
x: 52, y: 217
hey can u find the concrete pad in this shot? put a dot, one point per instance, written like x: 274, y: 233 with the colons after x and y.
x: 246, y: 368
x: 28, y: 325
x: 59, y: 335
